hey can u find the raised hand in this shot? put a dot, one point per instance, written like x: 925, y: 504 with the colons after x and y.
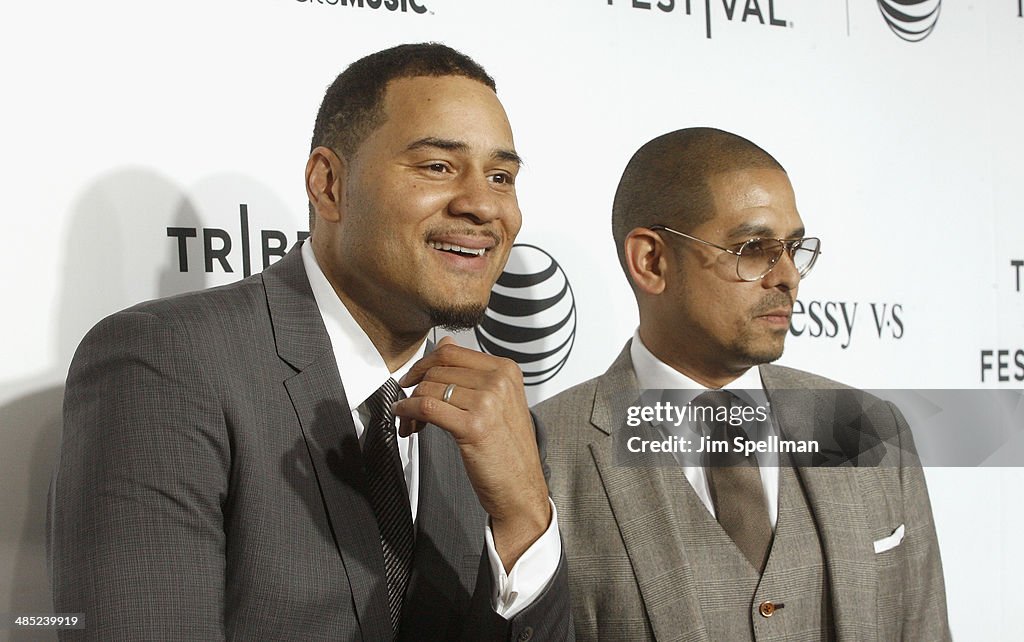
x: 479, y: 399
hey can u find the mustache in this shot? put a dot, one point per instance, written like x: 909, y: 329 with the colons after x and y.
x: 464, y: 231
x: 773, y: 302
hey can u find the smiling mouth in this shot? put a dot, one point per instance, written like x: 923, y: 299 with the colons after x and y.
x: 457, y: 249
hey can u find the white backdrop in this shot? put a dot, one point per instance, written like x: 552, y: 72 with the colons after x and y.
x: 123, y: 119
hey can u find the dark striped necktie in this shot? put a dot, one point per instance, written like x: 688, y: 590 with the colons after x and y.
x: 389, y: 495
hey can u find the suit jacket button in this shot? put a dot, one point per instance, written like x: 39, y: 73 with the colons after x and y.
x: 767, y: 608
x: 526, y: 634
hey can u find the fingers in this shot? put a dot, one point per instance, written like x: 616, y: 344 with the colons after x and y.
x: 462, y: 397
x: 461, y: 415
x: 449, y: 353
x: 488, y: 392
x: 456, y: 415
x: 461, y: 377
x: 420, y: 410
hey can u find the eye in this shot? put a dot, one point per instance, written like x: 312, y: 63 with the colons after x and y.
x: 438, y: 167
x: 753, y: 246
x: 503, y: 178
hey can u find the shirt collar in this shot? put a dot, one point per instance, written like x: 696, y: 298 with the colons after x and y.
x: 654, y: 374
x: 360, y: 365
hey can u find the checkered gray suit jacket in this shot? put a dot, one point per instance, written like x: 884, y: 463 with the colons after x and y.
x: 210, y: 486
x: 630, y: 576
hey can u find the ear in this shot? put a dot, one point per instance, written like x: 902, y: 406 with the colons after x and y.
x: 646, y: 260
x: 325, y: 183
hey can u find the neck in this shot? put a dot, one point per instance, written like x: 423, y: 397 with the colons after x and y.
x: 393, y: 331
x: 705, y: 372
x: 396, y: 347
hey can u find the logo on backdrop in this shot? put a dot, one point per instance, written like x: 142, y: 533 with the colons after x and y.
x: 837, y: 320
x: 1005, y: 365
x: 390, y: 5
x: 531, y: 317
x: 1002, y: 365
x: 217, y: 245
x: 749, y: 11
x: 911, y: 20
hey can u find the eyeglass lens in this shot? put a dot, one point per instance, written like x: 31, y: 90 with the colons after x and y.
x: 758, y: 256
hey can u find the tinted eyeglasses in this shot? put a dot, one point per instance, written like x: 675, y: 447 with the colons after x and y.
x: 757, y: 257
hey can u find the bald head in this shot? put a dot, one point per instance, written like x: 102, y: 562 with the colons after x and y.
x: 666, y: 181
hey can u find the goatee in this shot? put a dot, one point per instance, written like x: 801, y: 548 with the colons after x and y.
x: 454, y: 318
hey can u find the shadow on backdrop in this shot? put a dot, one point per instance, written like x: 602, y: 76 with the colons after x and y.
x: 116, y: 253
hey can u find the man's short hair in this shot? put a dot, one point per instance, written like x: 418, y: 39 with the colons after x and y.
x: 666, y: 181
x: 353, y: 105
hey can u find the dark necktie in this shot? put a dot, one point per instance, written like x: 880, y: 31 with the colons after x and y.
x: 734, y: 482
x: 388, y: 494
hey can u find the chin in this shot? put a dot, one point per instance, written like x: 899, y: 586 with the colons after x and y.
x: 457, y: 316
x: 758, y: 348
x: 770, y: 355
x: 765, y: 354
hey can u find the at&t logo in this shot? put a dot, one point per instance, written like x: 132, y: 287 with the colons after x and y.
x: 531, y: 317
x: 911, y: 20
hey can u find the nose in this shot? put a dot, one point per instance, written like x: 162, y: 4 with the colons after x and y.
x: 783, y: 275
x: 476, y: 198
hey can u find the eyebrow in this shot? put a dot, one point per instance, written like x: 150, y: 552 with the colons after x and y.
x: 751, y: 230
x: 508, y: 155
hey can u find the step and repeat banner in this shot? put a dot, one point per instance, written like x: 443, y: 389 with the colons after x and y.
x: 155, y: 148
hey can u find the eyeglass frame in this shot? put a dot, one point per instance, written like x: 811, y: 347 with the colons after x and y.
x: 789, y: 246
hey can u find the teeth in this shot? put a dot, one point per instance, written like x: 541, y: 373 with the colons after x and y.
x: 449, y: 247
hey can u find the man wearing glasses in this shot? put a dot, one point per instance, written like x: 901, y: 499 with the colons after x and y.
x: 671, y: 539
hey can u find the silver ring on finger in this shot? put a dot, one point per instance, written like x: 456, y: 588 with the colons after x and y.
x: 447, y: 396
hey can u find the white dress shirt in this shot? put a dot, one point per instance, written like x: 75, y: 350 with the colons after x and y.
x: 363, y: 371
x: 654, y: 374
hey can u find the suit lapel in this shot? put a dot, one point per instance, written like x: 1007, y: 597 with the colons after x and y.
x: 835, y: 497
x: 323, y: 413
x: 645, y: 502
x: 449, y: 533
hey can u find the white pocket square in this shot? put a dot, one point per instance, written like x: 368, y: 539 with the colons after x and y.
x: 891, y: 541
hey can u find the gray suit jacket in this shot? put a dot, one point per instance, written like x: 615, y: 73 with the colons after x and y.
x: 631, y: 578
x: 210, y: 486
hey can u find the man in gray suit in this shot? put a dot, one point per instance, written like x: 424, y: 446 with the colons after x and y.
x: 230, y: 467
x: 667, y: 547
